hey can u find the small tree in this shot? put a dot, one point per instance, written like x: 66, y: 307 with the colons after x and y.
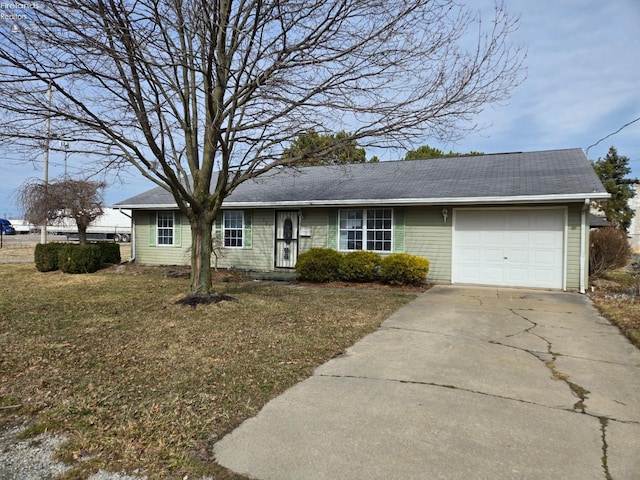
x: 325, y: 149
x: 80, y: 200
x: 425, y: 151
x: 613, y: 170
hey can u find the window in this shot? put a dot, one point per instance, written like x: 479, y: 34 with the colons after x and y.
x: 365, y: 230
x: 233, y: 228
x: 379, y: 230
x: 351, y: 227
x: 165, y: 228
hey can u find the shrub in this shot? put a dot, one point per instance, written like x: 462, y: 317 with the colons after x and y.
x: 403, y: 269
x: 609, y: 249
x: 359, y: 266
x: 109, y: 252
x: 46, y: 256
x: 318, y: 265
x: 79, y: 258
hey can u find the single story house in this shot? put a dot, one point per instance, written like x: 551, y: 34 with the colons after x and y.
x: 512, y: 219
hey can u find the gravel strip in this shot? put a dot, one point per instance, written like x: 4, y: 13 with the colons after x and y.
x: 29, y: 459
x: 32, y: 459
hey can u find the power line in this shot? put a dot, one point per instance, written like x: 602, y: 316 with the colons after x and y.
x: 612, y: 134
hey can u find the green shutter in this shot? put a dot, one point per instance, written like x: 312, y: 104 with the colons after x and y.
x: 247, y: 241
x: 152, y: 229
x: 177, y: 229
x: 216, y: 231
x: 398, y: 230
x: 332, y: 230
x: 217, y: 225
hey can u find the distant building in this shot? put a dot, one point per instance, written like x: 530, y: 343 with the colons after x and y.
x: 634, y: 229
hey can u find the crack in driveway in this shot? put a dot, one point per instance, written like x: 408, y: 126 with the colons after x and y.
x: 548, y: 359
x: 435, y: 390
x: 578, y: 390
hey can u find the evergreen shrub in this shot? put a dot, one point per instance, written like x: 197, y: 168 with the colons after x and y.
x: 79, y: 258
x: 109, y: 252
x: 359, y: 266
x: 403, y: 269
x: 318, y: 265
x: 46, y: 256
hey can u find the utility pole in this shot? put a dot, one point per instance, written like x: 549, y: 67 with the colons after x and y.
x: 45, y: 173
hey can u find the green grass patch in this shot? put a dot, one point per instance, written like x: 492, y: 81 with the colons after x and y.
x: 137, y: 382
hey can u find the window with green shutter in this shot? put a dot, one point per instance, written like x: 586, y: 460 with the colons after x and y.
x: 234, y: 227
x: 365, y: 229
x: 332, y: 230
x: 165, y: 229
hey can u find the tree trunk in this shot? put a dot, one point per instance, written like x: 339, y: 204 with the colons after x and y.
x: 201, y: 228
x: 82, y: 235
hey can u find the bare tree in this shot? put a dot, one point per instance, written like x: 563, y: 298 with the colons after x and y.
x: 202, y: 95
x: 79, y: 200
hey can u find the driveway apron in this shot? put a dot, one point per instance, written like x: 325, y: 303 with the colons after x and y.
x: 461, y: 383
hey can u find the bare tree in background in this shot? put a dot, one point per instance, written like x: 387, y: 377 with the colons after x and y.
x: 202, y: 95
x: 51, y: 203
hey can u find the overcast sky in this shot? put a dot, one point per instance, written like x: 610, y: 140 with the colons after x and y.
x: 583, y: 84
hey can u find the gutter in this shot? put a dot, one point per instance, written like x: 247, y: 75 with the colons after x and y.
x: 132, y: 257
x: 392, y: 201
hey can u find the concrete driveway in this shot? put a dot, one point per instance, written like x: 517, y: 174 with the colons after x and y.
x: 462, y: 383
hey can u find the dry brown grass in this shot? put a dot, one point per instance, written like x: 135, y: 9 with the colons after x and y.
x: 617, y: 297
x: 138, y: 382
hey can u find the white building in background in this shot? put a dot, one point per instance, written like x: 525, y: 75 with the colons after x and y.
x: 113, y: 224
x: 634, y: 229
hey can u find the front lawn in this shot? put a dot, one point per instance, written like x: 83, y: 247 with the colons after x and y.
x: 137, y: 382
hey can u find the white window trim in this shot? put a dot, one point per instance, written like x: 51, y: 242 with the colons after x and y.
x: 224, y: 229
x: 364, y: 230
x: 173, y: 229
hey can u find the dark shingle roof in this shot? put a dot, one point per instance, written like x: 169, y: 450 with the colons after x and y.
x: 595, y: 221
x: 546, y: 175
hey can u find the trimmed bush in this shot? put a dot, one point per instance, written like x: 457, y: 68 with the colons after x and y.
x: 403, y: 269
x: 359, y: 266
x: 318, y: 265
x: 109, y: 252
x: 79, y: 258
x: 609, y: 249
x: 46, y: 256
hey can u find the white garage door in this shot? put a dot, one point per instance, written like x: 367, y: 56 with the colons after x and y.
x: 523, y: 248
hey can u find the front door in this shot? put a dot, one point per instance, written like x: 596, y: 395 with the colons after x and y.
x: 286, y: 239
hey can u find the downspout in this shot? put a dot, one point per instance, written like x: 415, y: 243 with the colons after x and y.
x: 583, y: 244
x: 132, y: 257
